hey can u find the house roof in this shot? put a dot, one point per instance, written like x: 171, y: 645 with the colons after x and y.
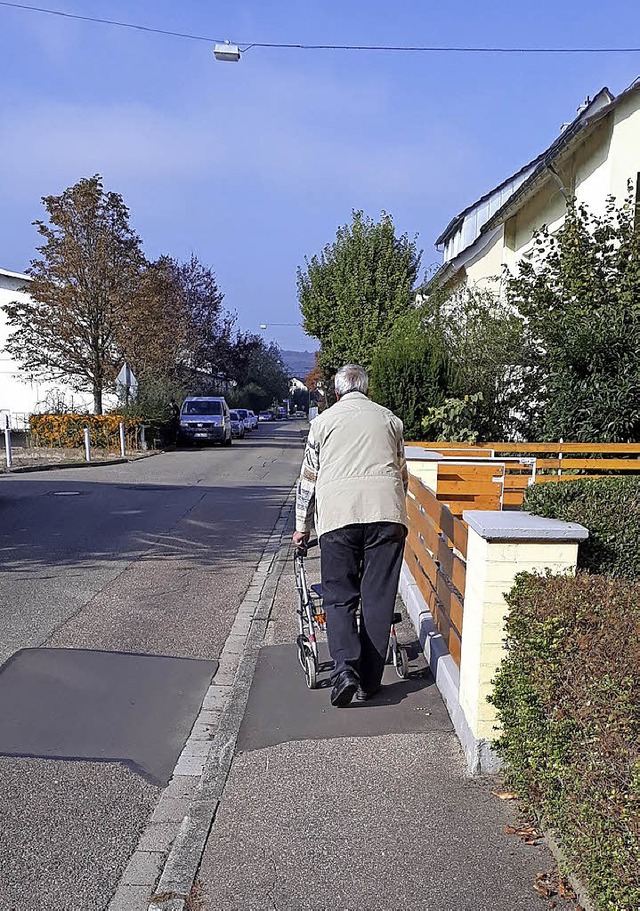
x: 603, y: 98
x: 574, y: 133
x: 19, y: 275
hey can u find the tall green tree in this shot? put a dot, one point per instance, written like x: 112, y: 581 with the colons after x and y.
x: 580, y: 297
x: 82, y: 284
x: 352, y: 292
x: 411, y: 372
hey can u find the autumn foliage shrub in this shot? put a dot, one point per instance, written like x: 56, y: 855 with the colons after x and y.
x: 568, y: 698
x: 67, y: 430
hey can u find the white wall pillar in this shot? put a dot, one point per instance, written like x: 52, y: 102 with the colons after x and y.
x: 423, y: 463
x: 501, y: 545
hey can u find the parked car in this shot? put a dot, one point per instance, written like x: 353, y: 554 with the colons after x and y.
x: 254, y: 419
x: 244, y: 416
x: 237, y: 426
x: 265, y: 416
x: 205, y: 419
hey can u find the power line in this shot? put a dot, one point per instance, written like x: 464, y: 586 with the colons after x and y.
x: 434, y: 49
x: 115, y: 22
x: 429, y: 49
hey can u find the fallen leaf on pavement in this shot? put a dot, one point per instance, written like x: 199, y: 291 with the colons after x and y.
x: 505, y: 795
x: 528, y: 834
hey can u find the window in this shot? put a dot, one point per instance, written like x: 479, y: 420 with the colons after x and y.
x: 206, y: 406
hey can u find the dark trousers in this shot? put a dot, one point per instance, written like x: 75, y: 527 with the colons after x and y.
x: 360, y: 565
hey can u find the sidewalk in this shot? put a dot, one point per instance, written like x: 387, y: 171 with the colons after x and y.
x: 368, y: 808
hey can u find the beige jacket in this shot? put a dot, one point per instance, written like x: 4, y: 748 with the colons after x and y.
x: 354, y: 470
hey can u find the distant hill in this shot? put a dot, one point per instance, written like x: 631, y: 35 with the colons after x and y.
x: 298, y: 363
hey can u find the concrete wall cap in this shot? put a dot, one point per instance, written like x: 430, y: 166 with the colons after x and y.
x: 522, y: 526
x: 418, y: 454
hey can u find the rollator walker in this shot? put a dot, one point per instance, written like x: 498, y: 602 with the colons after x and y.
x: 312, y: 625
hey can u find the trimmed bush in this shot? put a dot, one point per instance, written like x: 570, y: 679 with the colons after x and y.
x: 568, y: 697
x: 609, y: 508
x: 67, y: 430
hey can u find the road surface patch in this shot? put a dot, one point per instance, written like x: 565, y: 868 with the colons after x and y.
x: 282, y: 709
x: 101, y: 706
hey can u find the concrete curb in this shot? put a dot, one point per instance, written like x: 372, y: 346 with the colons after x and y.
x: 577, y: 885
x: 161, y: 872
x: 479, y: 754
x: 58, y: 466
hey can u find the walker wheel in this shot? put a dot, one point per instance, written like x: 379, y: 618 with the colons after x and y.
x: 310, y: 671
x: 401, y: 662
x: 303, y: 651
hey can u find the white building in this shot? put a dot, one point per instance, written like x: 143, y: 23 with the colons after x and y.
x: 20, y: 395
x: 594, y: 157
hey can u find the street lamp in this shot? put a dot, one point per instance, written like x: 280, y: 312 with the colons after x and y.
x: 269, y: 325
x: 227, y: 52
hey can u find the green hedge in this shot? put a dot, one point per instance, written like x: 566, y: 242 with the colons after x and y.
x: 568, y: 697
x: 609, y: 508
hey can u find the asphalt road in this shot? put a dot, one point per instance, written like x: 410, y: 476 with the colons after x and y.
x: 153, y: 558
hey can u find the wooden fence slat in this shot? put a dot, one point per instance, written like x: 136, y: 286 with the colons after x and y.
x: 450, y: 602
x: 533, y: 448
x: 516, y: 481
x: 554, y: 478
x: 422, y: 523
x: 455, y: 646
x: 452, y: 566
x: 486, y: 488
x: 564, y: 447
x: 599, y: 464
x: 470, y: 471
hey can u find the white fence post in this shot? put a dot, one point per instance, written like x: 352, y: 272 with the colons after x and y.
x: 123, y: 450
x: 7, y: 443
x: 87, y: 444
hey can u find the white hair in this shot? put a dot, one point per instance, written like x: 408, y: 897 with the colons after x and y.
x: 351, y: 378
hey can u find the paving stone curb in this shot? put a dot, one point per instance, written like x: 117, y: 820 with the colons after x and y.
x: 59, y: 466
x: 161, y: 872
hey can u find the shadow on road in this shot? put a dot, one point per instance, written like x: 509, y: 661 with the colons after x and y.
x: 83, y: 523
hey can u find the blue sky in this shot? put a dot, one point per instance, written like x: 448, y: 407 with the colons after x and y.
x: 252, y: 166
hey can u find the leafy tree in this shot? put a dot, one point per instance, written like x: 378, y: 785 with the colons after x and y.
x: 266, y: 369
x: 260, y: 375
x: 300, y: 400
x: 211, y: 341
x: 158, y: 330
x: 352, y: 292
x: 82, y: 284
x: 315, y: 377
x: 491, y: 362
x: 455, y: 420
x: 410, y: 373
x: 580, y: 296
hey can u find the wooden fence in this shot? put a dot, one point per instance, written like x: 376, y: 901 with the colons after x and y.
x: 470, y: 485
x: 435, y: 553
x: 546, y: 462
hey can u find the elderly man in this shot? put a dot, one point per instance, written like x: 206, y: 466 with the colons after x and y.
x: 355, y: 475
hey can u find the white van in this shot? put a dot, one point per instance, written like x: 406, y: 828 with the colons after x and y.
x: 205, y: 419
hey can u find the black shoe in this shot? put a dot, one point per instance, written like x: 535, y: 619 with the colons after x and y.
x: 344, y: 689
x: 364, y: 695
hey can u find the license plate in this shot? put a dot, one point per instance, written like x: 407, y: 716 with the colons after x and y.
x: 200, y: 435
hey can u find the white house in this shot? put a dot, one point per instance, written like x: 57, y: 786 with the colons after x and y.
x: 594, y: 157
x: 20, y: 395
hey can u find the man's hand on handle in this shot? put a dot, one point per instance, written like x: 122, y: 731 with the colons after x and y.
x: 299, y: 538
